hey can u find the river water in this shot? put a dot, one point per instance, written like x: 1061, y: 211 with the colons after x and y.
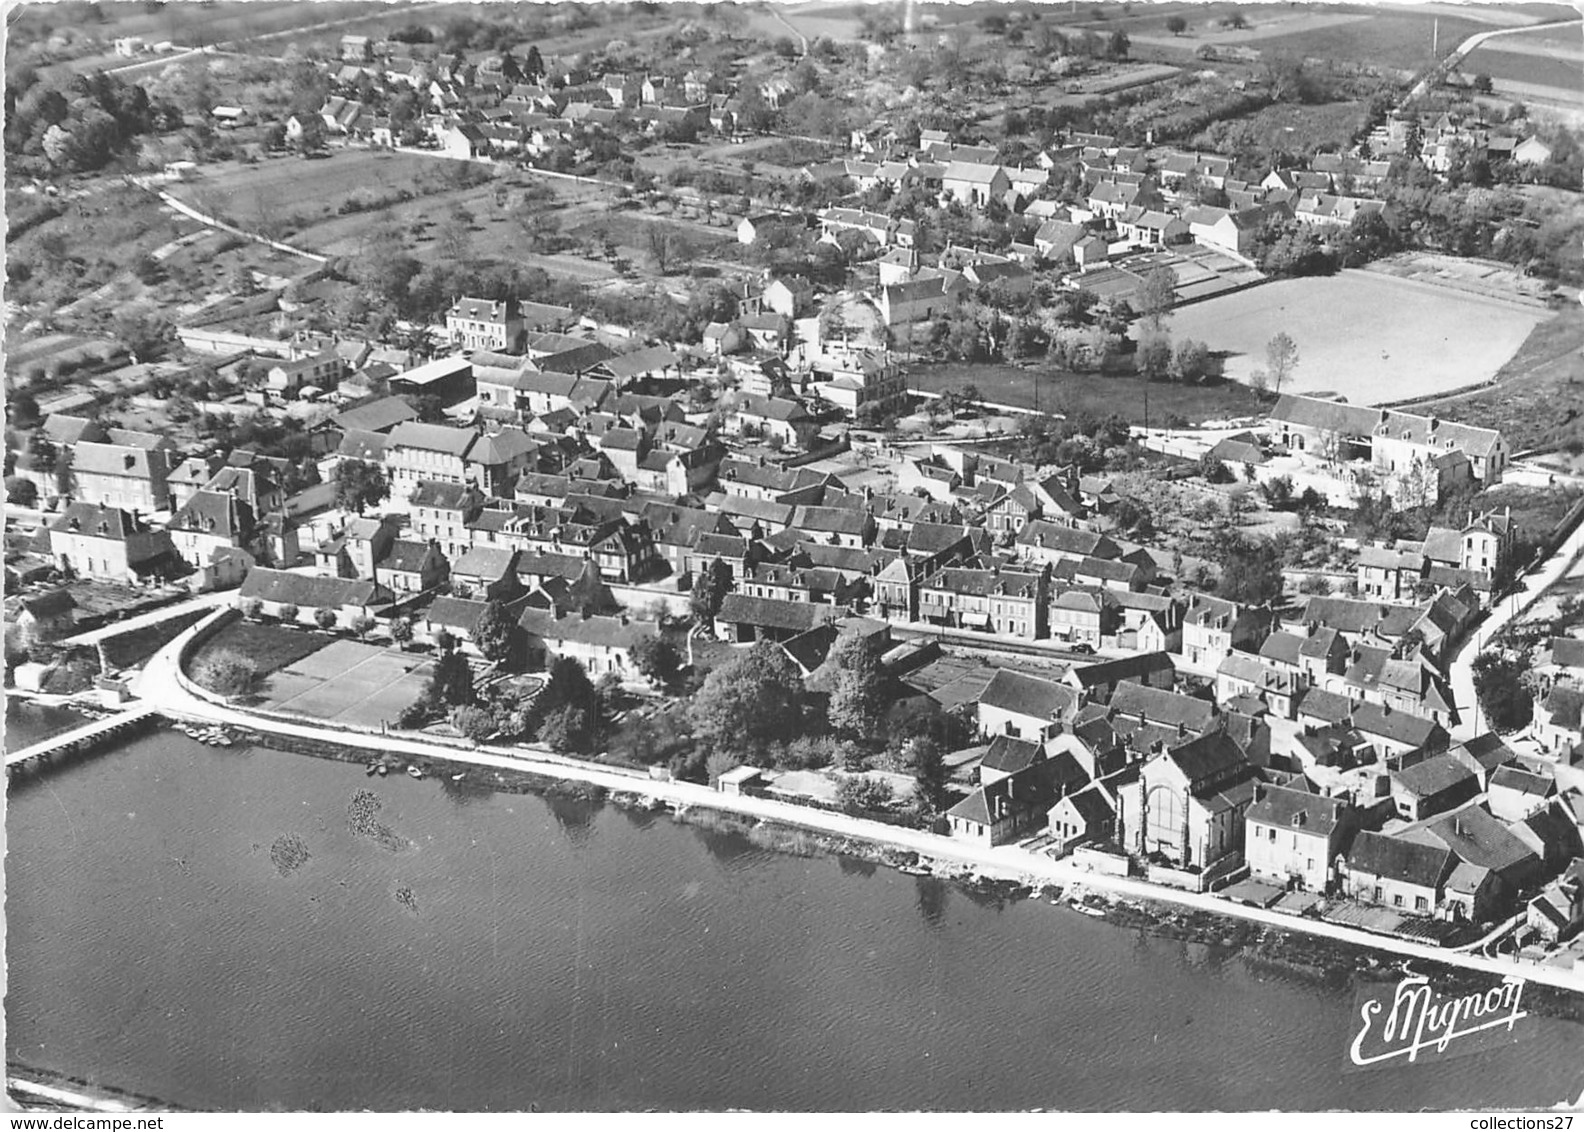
x: 503, y: 951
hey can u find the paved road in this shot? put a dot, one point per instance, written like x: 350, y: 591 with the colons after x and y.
x: 158, y: 684
x: 1461, y: 670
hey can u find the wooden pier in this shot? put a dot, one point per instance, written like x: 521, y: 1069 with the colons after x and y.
x: 83, y: 738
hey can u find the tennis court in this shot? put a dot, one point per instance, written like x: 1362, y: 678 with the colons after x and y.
x: 348, y: 682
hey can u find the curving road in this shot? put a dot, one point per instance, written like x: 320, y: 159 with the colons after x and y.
x: 161, y: 685
x: 1462, y: 50
x: 1506, y: 610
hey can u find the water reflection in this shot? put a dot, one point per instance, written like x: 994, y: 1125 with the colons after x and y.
x: 728, y: 846
x: 856, y: 866
x: 574, y: 815
x: 933, y: 896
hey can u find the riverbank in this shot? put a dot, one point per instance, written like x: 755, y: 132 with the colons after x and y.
x: 162, y: 685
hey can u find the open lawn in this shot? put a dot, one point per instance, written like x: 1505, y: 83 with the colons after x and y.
x: 348, y: 682
x: 1370, y: 338
x: 1097, y: 395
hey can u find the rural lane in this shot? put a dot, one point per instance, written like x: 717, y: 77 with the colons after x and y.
x: 1468, y: 45
x: 159, y: 685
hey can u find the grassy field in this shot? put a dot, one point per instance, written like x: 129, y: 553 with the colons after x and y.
x: 271, y: 647
x: 1538, y: 398
x: 1368, y: 337
x: 127, y: 650
x: 299, y: 192
x: 1092, y: 394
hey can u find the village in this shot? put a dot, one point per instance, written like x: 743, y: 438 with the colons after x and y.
x: 750, y: 516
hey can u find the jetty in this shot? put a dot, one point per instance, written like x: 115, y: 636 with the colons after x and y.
x: 83, y: 738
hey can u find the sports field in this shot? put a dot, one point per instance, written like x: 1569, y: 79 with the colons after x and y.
x: 348, y: 682
x: 1371, y: 338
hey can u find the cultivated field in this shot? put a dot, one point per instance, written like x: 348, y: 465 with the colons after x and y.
x: 1371, y: 338
x: 1509, y: 60
x: 1394, y: 38
x: 348, y: 682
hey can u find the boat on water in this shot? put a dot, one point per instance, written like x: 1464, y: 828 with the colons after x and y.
x: 459, y: 777
x: 380, y: 769
x: 1088, y: 909
x: 414, y: 772
x: 373, y: 768
x: 914, y: 871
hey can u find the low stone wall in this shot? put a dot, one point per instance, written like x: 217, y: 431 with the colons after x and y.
x: 1097, y: 861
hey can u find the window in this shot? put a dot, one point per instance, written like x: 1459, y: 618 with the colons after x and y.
x: 1397, y: 899
x: 1421, y: 904
x: 1377, y: 892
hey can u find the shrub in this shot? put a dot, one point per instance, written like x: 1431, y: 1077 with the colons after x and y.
x: 325, y: 618
x: 22, y: 492
x: 289, y: 612
x: 252, y: 609
x: 863, y: 793
x: 228, y: 673
x: 362, y: 624
x: 474, y: 722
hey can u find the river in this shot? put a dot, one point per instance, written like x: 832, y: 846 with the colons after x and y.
x: 502, y: 951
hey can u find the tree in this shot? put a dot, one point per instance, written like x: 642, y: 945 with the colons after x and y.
x: 363, y: 624
x: 1250, y: 572
x: 1212, y: 469
x: 1176, y: 25
x: 289, y: 612
x: 23, y: 408
x: 567, y: 729
x: 749, y: 703
x: 1281, y: 357
x: 1236, y: 20
x: 718, y: 763
x: 325, y: 619
x: 227, y: 672
x: 666, y: 248
x: 658, y: 660
x: 21, y: 492
x: 1153, y: 359
x: 567, y: 709
x: 359, y: 485
x: 450, y: 683
x: 1156, y: 297
x: 475, y: 723
x: 252, y: 609
x: 927, y: 762
x: 1118, y: 45
x: 863, y: 794
x: 1191, y: 362
x: 401, y: 630
x: 857, y: 698
x: 1482, y: 83
x: 1504, y: 697
x: 710, y: 588
x: 312, y: 138
x: 495, y: 634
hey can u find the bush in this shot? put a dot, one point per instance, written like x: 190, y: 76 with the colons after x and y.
x: 325, y: 619
x: 22, y: 492
x: 474, y: 722
x: 289, y: 612
x: 227, y: 673
x: 858, y: 795
x: 252, y: 609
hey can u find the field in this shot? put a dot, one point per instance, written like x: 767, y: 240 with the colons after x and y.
x: 299, y: 191
x: 1508, y: 61
x: 1092, y: 394
x: 348, y: 682
x: 270, y: 646
x: 1370, y: 338
x: 1387, y: 38
x: 1538, y: 398
x: 132, y: 648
